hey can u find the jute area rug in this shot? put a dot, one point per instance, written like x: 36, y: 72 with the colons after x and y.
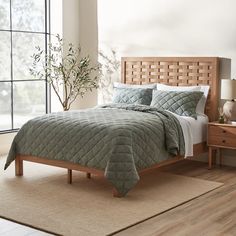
x: 43, y: 199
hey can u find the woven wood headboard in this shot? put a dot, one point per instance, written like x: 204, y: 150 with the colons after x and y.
x: 177, y: 71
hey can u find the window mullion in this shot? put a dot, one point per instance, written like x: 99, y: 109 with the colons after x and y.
x: 11, y: 48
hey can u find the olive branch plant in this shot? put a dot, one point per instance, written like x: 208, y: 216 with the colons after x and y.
x: 65, y: 69
x: 110, y: 67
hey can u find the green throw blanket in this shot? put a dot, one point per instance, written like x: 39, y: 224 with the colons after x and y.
x: 120, y: 139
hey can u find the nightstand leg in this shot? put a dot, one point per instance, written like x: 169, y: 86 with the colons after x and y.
x: 214, y: 154
x: 220, y: 157
x: 210, y: 158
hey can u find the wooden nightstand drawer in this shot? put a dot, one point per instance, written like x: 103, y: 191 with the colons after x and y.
x: 221, y: 141
x: 220, y: 136
x: 228, y: 132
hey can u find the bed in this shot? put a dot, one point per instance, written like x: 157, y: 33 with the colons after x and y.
x: 176, y: 71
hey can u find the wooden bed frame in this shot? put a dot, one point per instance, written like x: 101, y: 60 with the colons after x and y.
x: 177, y: 71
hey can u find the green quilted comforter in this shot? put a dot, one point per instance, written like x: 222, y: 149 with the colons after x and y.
x: 120, y: 139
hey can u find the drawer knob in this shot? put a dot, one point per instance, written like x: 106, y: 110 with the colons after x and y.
x: 223, y: 141
x: 224, y: 131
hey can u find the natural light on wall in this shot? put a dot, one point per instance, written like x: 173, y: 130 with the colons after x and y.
x: 56, y: 28
x: 167, y: 28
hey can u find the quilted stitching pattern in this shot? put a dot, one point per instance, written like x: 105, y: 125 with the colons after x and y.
x: 117, y: 138
x: 183, y: 103
x: 132, y: 96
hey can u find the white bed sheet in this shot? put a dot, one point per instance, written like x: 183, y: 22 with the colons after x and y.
x: 194, y: 131
x: 199, y: 128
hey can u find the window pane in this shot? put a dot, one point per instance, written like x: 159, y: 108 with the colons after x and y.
x: 5, y: 56
x: 5, y: 106
x: 23, y: 48
x: 28, y: 15
x: 29, y: 101
x: 5, y: 14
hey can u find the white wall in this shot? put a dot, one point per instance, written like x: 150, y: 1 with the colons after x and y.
x: 56, y: 28
x: 88, y: 39
x: 169, y: 28
x: 70, y: 21
x: 5, y: 142
x: 80, y: 27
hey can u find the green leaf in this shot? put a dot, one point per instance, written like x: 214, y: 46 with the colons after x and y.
x: 65, y: 69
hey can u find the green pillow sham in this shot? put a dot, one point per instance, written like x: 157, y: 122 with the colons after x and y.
x: 132, y: 96
x: 182, y: 103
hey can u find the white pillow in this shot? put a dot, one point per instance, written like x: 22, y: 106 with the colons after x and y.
x: 121, y: 85
x: 203, y: 88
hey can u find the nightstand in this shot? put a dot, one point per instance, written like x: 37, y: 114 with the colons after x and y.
x: 220, y: 136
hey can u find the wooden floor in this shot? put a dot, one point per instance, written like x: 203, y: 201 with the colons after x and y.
x: 212, y: 214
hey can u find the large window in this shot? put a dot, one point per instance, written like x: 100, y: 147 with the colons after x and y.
x: 24, y: 24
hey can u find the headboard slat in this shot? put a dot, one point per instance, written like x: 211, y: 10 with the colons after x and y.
x: 177, y: 71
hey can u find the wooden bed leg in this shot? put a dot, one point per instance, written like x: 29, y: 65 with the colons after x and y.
x: 88, y: 175
x: 69, y: 176
x: 116, y: 193
x: 18, y: 166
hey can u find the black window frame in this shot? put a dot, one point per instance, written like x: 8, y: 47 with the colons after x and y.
x: 47, y: 39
